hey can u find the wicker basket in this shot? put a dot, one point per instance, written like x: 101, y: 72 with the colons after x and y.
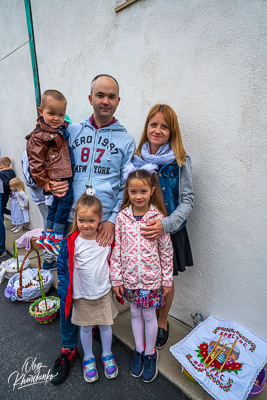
x: 10, y: 272
x: 19, y: 291
x: 27, y: 295
x: 46, y: 316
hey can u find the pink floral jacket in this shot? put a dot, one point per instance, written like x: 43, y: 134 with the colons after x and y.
x: 136, y: 262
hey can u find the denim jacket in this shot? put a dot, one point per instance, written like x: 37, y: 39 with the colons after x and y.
x: 177, y: 189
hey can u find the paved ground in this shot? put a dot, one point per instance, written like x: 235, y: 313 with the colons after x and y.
x: 22, y: 338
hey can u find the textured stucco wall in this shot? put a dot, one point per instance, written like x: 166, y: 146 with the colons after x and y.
x: 207, y: 59
x: 17, y: 99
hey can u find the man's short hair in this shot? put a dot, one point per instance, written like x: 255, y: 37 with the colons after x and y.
x: 109, y: 76
x: 55, y: 94
x: 5, y: 161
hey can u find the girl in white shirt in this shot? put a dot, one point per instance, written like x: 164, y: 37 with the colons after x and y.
x: 83, y: 273
x: 19, y: 205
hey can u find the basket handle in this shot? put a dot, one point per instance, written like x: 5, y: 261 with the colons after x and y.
x: 19, y: 290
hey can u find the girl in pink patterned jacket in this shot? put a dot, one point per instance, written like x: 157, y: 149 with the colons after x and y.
x: 141, y: 269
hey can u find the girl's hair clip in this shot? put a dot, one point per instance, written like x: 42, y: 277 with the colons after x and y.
x: 90, y: 191
x: 151, y: 168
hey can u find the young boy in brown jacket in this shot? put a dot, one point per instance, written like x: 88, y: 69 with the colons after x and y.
x: 50, y: 160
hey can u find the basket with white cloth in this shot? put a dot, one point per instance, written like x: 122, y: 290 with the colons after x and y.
x: 24, y: 286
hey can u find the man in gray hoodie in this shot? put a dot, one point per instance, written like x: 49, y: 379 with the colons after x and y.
x: 101, y: 148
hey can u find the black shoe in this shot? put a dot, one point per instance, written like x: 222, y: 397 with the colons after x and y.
x: 162, y: 337
x: 61, y: 369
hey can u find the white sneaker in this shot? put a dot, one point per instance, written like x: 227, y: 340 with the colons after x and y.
x: 14, y: 228
x: 18, y: 229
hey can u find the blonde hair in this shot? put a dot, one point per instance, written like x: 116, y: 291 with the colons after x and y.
x: 5, y: 161
x: 86, y: 201
x: 152, y: 180
x: 17, y: 183
x: 176, y: 141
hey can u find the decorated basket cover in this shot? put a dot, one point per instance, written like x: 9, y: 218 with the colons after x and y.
x: 42, y: 314
x: 224, y: 357
x: 44, y: 310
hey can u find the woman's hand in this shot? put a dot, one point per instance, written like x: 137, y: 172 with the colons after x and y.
x: 118, y: 290
x: 153, y: 230
x: 165, y: 290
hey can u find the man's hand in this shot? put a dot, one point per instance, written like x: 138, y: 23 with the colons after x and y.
x: 153, y: 230
x: 106, y: 233
x: 47, y: 186
x: 59, y: 188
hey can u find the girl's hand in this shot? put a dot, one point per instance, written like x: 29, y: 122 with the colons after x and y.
x: 118, y: 290
x: 165, y: 290
x: 27, y: 207
x: 153, y: 230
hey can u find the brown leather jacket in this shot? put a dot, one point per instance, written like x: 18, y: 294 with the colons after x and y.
x: 48, y: 154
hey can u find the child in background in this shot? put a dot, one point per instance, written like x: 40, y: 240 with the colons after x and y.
x: 19, y: 205
x: 50, y: 160
x: 83, y: 274
x: 6, y: 173
x: 140, y: 269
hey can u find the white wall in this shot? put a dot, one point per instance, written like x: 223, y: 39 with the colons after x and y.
x: 17, y: 98
x: 207, y: 59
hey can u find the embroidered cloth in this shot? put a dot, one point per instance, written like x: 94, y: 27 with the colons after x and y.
x: 245, y: 360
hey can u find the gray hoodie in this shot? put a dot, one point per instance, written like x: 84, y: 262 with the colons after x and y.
x: 100, y: 156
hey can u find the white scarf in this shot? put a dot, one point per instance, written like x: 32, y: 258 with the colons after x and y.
x: 164, y: 155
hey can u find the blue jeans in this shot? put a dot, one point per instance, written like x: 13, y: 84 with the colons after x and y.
x: 2, y: 232
x: 69, y: 332
x: 59, y: 211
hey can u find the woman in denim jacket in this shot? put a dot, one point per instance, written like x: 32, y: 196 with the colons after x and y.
x: 161, y: 144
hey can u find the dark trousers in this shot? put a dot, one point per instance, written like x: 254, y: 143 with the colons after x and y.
x: 2, y: 232
x: 4, y: 210
x: 59, y: 211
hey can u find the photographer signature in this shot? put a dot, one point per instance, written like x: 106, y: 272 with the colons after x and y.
x: 31, y: 373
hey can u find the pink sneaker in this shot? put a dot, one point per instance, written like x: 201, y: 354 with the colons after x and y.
x: 90, y: 373
x: 110, y: 366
